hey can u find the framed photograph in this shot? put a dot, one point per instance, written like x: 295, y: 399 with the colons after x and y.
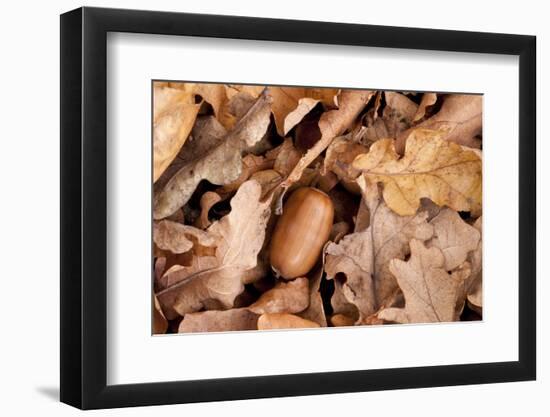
x: 256, y: 208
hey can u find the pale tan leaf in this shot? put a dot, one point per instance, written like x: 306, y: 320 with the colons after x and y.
x: 432, y: 167
x: 250, y: 164
x: 220, y: 165
x: 178, y: 238
x: 219, y: 321
x: 454, y: 237
x: 285, y: 297
x: 430, y: 292
x: 474, y: 286
x: 460, y: 117
x: 239, y: 237
x: 208, y: 199
x: 174, y: 113
x: 339, y: 157
x: 284, y: 321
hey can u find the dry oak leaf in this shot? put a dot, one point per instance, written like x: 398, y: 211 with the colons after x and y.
x: 239, y: 237
x: 178, y: 238
x: 398, y: 113
x: 431, y: 167
x: 428, y: 99
x: 208, y: 199
x: 219, y: 321
x: 339, y: 157
x: 363, y: 257
x: 332, y: 123
x: 220, y: 165
x: 454, y: 237
x: 460, y: 116
x: 291, y: 104
x: 430, y: 292
x: 285, y: 297
x: 275, y: 321
x: 250, y: 165
x: 174, y: 113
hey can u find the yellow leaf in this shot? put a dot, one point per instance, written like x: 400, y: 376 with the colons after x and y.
x: 432, y: 167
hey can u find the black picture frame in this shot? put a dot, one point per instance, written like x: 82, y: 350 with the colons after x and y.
x: 84, y: 207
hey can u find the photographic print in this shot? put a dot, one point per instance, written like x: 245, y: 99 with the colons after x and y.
x: 282, y: 207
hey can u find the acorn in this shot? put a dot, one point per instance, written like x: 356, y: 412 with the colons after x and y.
x: 301, y: 232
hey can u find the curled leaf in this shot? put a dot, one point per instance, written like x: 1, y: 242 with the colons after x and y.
x: 178, y: 238
x: 431, y: 167
x: 220, y: 165
x: 285, y: 297
x: 174, y: 114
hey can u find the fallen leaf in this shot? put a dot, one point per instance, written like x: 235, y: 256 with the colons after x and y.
x: 474, y: 286
x: 178, y: 238
x: 239, y: 238
x: 208, y: 199
x: 332, y: 123
x: 277, y: 321
x: 430, y: 292
x: 285, y: 297
x: 432, y: 167
x: 174, y: 114
x: 250, y: 165
x: 219, y: 321
x: 339, y: 158
x: 291, y: 104
x: 459, y: 116
x: 363, y: 257
x: 454, y: 237
x: 207, y: 133
x: 398, y: 113
x: 428, y: 99
x: 220, y: 165
x: 160, y: 324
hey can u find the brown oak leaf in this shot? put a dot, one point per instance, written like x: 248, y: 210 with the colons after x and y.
x: 431, y: 167
x: 174, y: 114
x: 285, y: 297
x: 363, y: 257
x: 239, y: 238
x: 460, y: 117
x: 454, y: 237
x: 220, y: 165
x: 160, y: 324
x: 428, y: 99
x: 179, y: 238
x: 430, y: 292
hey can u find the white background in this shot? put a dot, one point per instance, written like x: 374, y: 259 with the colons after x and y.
x: 29, y: 213
x: 133, y: 60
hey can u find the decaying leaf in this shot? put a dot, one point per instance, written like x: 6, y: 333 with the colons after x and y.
x: 363, y: 257
x: 219, y: 321
x: 285, y: 297
x: 459, y: 116
x: 221, y: 165
x: 431, y: 167
x: 291, y: 104
x: 398, y: 113
x: 430, y: 292
x: 277, y: 321
x: 174, y: 115
x: 208, y: 199
x: 473, y: 288
x: 179, y: 238
x: 332, y: 123
x: 454, y: 237
x: 428, y: 99
x: 239, y: 237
